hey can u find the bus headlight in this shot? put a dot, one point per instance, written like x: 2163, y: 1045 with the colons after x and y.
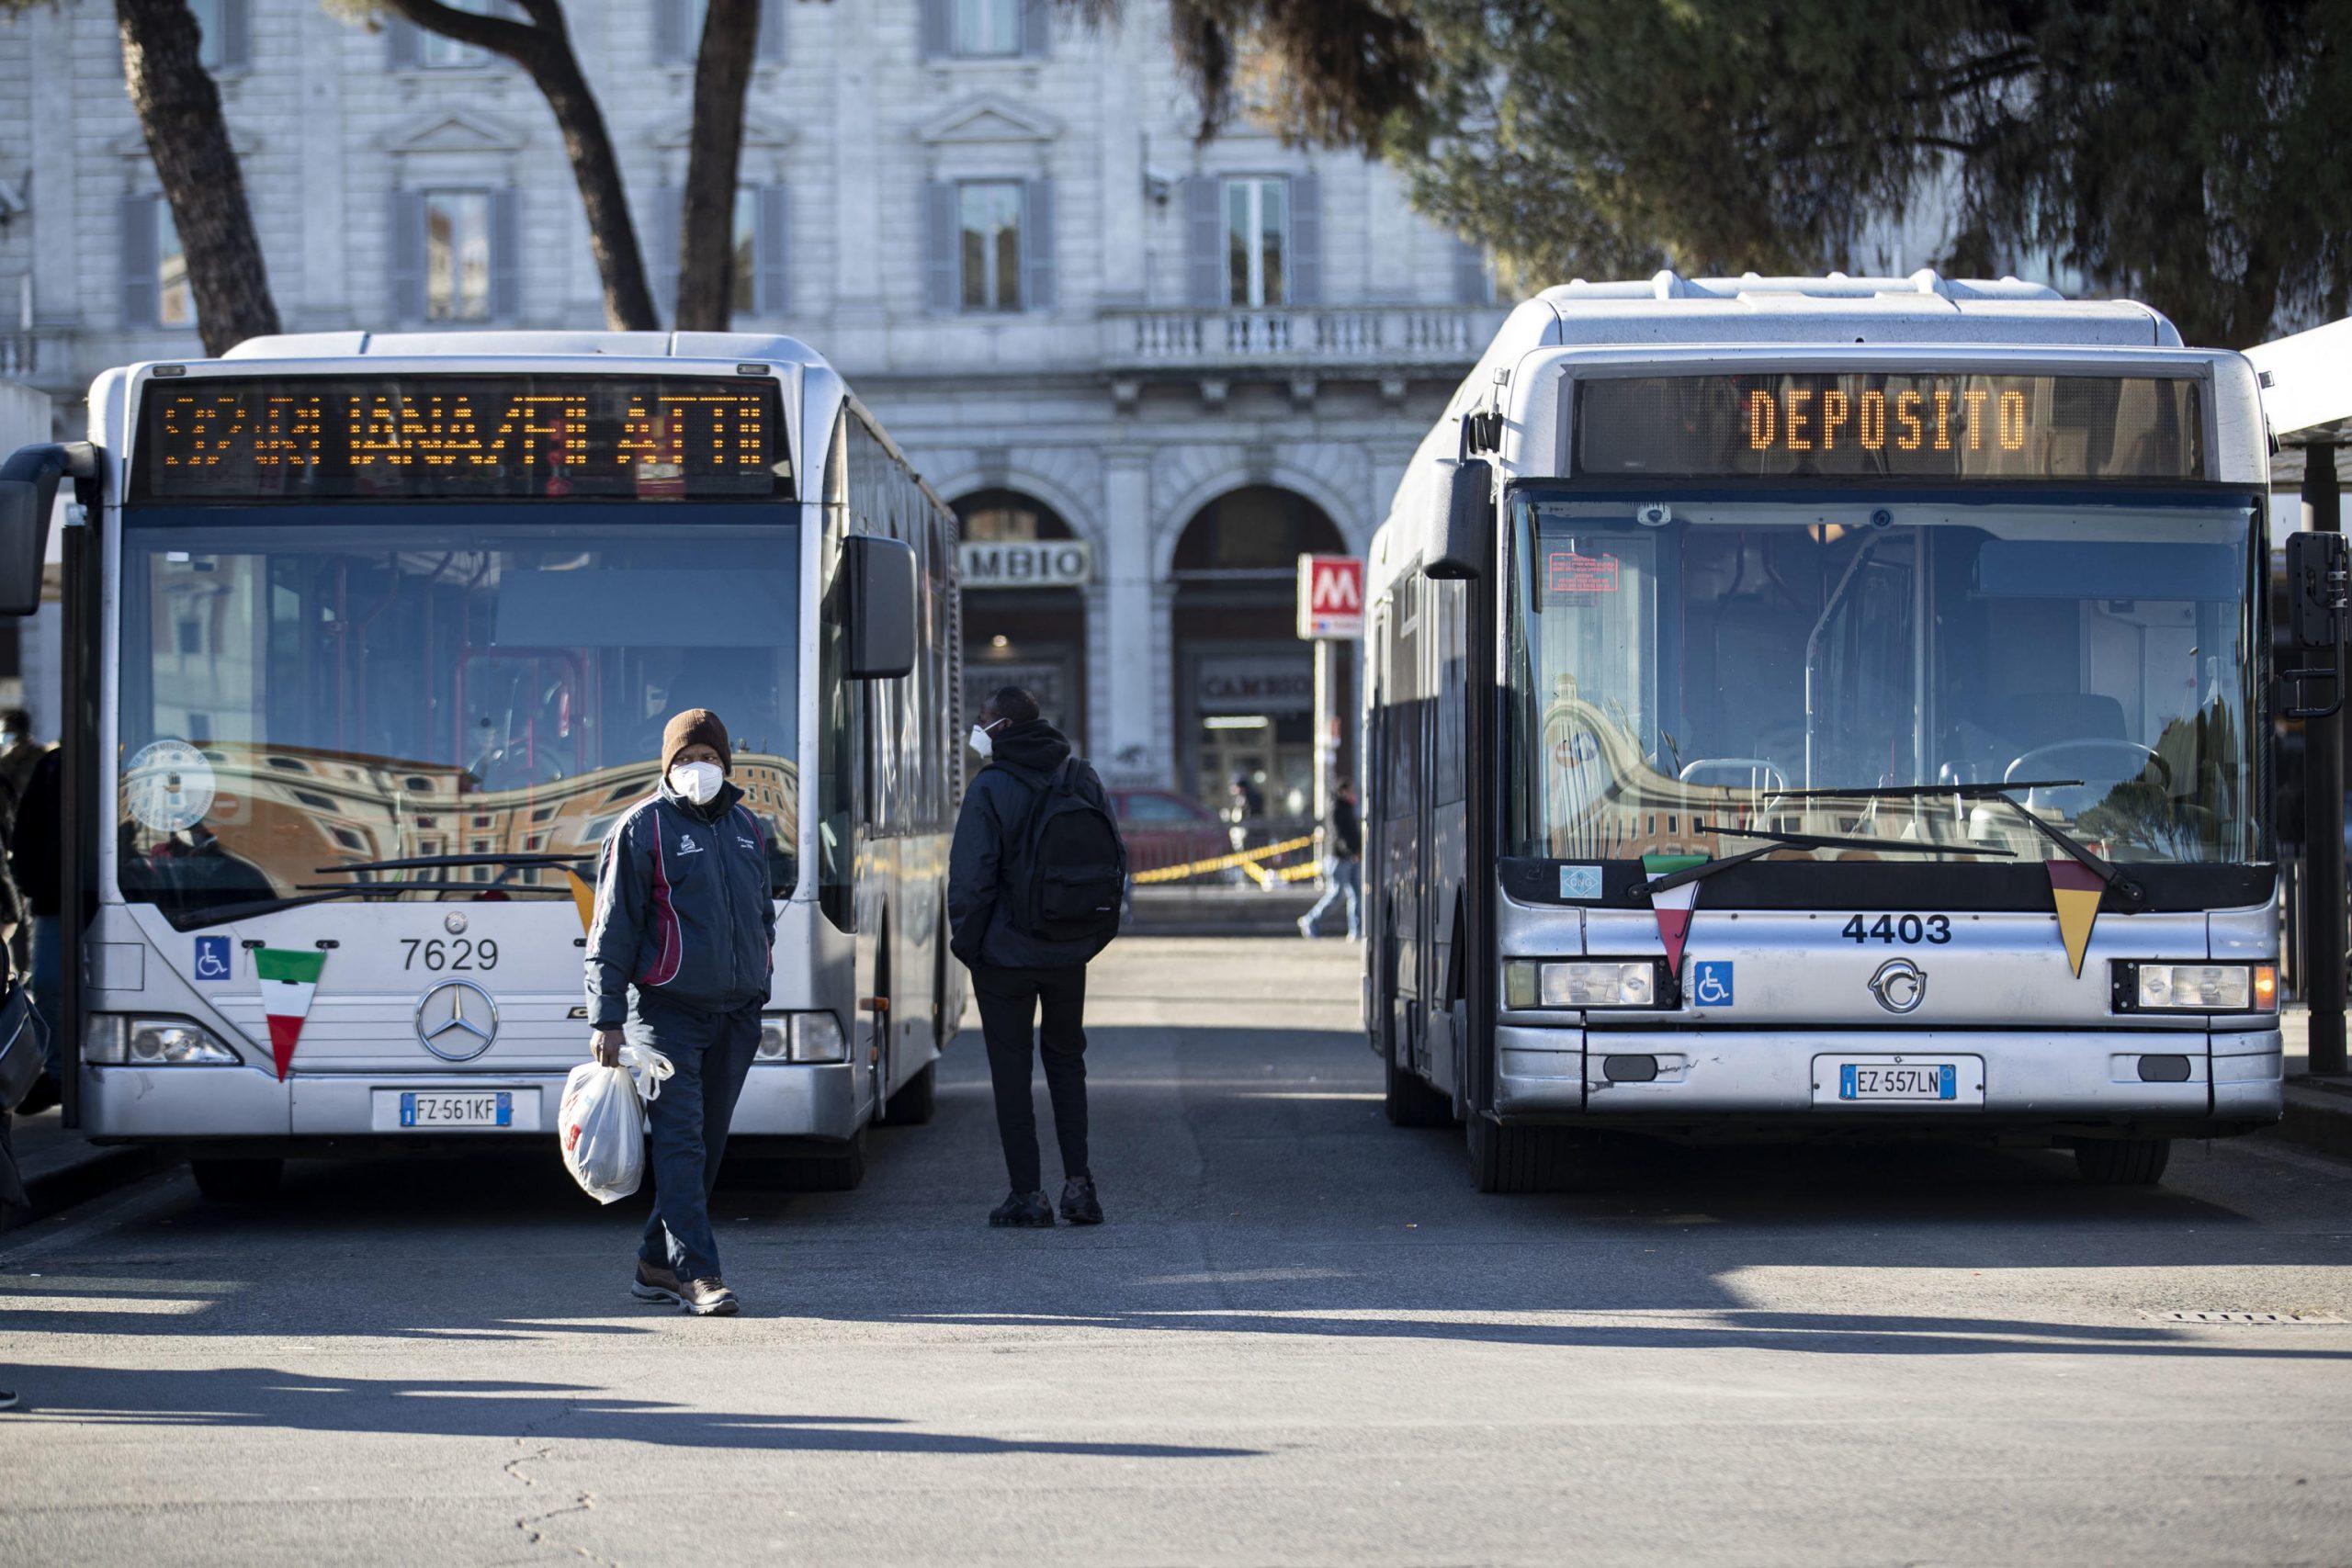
x: 1580, y: 983
x: 801, y: 1037
x: 155, y: 1043
x: 2195, y: 988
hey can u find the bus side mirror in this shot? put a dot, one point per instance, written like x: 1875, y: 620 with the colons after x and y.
x: 1467, y: 547
x: 2315, y: 595
x: 25, y: 506
x: 881, y: 581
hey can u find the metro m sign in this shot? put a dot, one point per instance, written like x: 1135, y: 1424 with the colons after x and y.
x: 1331, y: 596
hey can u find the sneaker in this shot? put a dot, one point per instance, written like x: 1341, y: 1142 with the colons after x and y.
x: 1080, y: 1206
x: 8, y: 1399
x: 708, y: 1298
x: 1025, y: 1211
x: 656, y: 1283
x: 1307, y: 928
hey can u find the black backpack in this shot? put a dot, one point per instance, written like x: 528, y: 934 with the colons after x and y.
x: 1072, y: 876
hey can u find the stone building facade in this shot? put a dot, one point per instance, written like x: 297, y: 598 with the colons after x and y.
x: 1148, y: 370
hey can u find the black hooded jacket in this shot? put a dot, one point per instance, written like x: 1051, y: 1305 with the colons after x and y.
x: 984, y: 866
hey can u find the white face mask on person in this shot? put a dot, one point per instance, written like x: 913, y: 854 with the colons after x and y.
x: 982, y: 741
x: 698, y: 782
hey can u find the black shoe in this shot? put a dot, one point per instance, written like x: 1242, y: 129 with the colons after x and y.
x: 8, y: 1399
x: 44, y: 1094
x: 1027, y: 1211
x: 1080, y: 1206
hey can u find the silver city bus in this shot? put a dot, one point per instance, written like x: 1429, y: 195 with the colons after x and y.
x: 371, y: 640
x: 1796, y: 704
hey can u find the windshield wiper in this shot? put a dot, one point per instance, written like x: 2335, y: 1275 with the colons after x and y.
x: 254, y: 907
x: 2126, y: 891
x: 434, y: 863
x: 1706, y: 869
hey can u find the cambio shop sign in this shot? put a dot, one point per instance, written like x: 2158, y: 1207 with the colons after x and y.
x: 1027, y: 563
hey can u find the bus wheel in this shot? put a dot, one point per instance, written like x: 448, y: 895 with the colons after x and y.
x: 1520, y: 1159
x: 236, y: 1181
x: 2122, y: 1162
x: 837, y: 1172
x: 1410, y: 1102
x: 916, y: 1100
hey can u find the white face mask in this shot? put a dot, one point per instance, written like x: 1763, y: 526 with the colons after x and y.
x: 698, y: 782
x: 982, y: 741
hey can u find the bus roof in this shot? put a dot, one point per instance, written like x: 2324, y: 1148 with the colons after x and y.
x: 1923, y: 308
x: 729, y: 346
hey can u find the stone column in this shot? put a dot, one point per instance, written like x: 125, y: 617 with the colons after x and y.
x: 1126, y: 643
x: 320, y: 293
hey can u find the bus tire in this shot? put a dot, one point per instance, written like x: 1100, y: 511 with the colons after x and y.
x: 237, y: 1180
x: 841, y: 1171
x: 1412, y: 1102
x: 1520, y: 1159
x: 2122, y: 1162
x: 915, y: 1101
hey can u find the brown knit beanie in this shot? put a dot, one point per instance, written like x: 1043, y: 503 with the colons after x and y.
x: 696, y: 726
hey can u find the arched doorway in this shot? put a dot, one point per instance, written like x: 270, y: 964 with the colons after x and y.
x: 1024, y: 577
x: 1245, y: 684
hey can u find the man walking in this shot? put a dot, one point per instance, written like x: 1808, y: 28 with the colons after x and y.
x: 1343, y: 869
x: 681, y: 955
x: 1035, y: 883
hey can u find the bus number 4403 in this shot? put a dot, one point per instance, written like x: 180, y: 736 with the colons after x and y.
x: 1909, y: 930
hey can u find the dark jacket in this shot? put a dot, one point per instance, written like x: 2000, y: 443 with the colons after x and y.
x: 36, y: 846
x: 683, y: 908
x: 1344, y: 830
x: 984, y: 866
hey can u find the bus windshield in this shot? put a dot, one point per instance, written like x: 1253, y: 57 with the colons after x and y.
x: 1680, y: 661
x: 302, y: 698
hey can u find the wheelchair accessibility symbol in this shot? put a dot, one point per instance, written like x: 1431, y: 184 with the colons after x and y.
x: 212, y: 958
x: 1711, y: 983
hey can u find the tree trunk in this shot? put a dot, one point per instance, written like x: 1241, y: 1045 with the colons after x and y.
x: 730, y: 35
x: 179, y: 110
x: 542, y: 47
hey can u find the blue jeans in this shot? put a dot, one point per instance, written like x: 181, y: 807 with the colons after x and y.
x: 712, y: 1053
x: 48, y: 982
x: 1341, y: 877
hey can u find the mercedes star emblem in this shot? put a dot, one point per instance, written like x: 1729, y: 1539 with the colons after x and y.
x: 1900, y: 986
x: 454, y: 924
x: 457, y: 1020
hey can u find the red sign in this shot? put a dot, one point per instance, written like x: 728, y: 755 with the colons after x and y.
x: 1568, y: 573
x: 1331, y: 596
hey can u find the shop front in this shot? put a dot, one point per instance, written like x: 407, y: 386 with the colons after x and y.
x: 1025, y: 577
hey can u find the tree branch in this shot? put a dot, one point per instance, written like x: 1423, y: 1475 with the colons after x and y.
x: 519, y: 42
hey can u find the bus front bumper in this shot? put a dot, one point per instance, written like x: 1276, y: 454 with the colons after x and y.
x: 2052, y: 1079
x: 310, y: 1111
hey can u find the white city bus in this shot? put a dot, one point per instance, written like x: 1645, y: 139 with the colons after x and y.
x: 373, y: 637
x: 1812, y: 704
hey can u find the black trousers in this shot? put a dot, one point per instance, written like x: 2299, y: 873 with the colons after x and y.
x: 1011, y: 1001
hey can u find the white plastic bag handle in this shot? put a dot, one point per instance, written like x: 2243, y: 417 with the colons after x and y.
x: 650, y: 1068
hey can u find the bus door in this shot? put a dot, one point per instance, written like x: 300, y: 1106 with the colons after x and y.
x: 1408, y: 819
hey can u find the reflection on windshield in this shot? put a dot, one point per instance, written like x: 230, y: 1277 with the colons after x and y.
x: 1703, y: 669
x: 296, y: 701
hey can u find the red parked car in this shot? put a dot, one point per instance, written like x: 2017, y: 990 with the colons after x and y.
x: 1164, y: 828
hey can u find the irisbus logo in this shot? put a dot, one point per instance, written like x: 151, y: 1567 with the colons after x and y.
x: 1900, y: 986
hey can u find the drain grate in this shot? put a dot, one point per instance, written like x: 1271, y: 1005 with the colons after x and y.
x: 2243, y: 1317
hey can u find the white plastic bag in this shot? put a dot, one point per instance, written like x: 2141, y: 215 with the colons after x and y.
x: 602, y: 1122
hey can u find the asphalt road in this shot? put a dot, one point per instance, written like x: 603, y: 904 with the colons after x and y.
x: 1302, y: 1338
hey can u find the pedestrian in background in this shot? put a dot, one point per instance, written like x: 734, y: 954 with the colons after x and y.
x: 1035, y: 824
x: 36, y: 861
x: 19, y: 754
x: 1342, y: 864
x: 681, y: 958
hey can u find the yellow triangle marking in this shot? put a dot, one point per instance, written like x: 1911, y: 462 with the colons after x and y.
x: 584, y: 898
x: 2077, y: 913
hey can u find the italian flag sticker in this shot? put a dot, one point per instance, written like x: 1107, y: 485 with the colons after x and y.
x: 288, y: 978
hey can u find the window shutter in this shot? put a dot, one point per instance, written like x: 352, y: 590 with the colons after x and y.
x: 772, y: 256
x: 770, y: 48
x: 1036, y: 28
x: 408, y: 256
x: 1037, y: 245
x: 1205, y: 259
x: 671, y: 46
x: 1471, y: 279
x: 142, y: 293
x: 401, y: 38
x: 236, y: 35
x: 938, y: 27
x: 662, y: 229
x: 1305, y: 240
x: 506, y: 257
x: 941, y: 263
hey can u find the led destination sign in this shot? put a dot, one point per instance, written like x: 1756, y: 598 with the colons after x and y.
x: 461, y: 438
x: 1876, y: 424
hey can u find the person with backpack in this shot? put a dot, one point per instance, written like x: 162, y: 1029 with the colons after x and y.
x: 1034, y: 885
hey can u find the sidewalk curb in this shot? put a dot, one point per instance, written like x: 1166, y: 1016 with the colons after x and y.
x: 95, y: 1171
x: 2318, y: 1116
